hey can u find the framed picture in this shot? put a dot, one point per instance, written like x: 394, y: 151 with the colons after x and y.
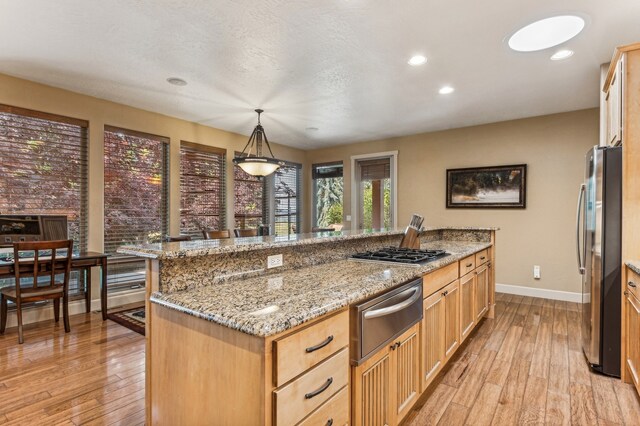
x: 487, y: 187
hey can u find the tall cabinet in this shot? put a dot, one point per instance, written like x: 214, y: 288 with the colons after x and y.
x: 620, y: 124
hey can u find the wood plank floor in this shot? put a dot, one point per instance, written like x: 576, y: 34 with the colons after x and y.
x: 525, y: 367
x: 91, y: 376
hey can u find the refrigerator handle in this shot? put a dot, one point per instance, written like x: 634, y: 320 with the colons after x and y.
x: 581, y: 269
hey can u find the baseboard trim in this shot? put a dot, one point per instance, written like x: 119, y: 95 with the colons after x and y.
x: 45, y: 313
x: 539, y: 292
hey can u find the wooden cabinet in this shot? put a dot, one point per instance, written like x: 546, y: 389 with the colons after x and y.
x: 613, y: 105
x: 467, y: 265
x: 467, y: 304
x: 451, y: 318
x: 482, y: 292
x: 433, y: 339
x: 632, y: 340
x: 386, y: 386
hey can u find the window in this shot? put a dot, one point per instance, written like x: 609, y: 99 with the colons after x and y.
x: 285, y: 184
x: 135, y: 198
x: 43, y: 170
x: 328, y: 188
x: 374, y: 189
x: 202, y: 188
x: 249, y: 204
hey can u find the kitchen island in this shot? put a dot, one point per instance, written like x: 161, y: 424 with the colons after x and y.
x: 230, y: 342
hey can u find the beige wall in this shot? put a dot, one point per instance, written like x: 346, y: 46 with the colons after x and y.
x: 27, y: 94
x: 543, y: 234
x: 553, y: 147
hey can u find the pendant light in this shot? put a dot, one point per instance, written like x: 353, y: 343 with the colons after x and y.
x: 257, y: 164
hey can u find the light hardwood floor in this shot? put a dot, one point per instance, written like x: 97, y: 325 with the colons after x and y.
x: 525, y: 367
x: 93, y: 375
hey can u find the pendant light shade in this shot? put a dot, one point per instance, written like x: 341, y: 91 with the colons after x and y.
x: 252, y: 161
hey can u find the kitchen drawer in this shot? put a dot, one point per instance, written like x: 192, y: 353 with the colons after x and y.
x: 467, y: 265
x: 633, y: 283
x: 297, y: 352
x: 482, y: 257
x: 306, y: 393
x: 334, y: 412
x: 434, y: 281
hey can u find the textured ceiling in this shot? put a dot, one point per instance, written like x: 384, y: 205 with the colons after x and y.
x: 338, y: 65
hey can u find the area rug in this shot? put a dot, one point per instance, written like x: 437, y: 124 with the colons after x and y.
x: 132, y: 318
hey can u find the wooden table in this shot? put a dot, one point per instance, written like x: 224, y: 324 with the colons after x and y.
x: 79, y: 262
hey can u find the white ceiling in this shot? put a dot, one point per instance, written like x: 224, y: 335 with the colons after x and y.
x: 339, y: 65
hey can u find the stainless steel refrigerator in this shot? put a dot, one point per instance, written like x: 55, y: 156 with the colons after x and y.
x: 598, y: 237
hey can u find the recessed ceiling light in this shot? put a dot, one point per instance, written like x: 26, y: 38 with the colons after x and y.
x: 176, y: 81
x: 446, y: 90
x: 417, y: 60
x: 562, y: 54
x: 546, y: 33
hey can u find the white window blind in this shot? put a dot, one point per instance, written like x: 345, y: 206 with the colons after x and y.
x: 135, y: 198
x: 202, y: 188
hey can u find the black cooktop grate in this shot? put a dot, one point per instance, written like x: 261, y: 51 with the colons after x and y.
x: 401, y: 255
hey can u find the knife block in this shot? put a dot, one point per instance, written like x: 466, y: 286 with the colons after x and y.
x: 411, y: 238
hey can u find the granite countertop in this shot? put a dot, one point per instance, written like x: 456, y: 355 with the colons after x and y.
x: 208, y: 247
x: 269, y: 304
x: 634, y: 265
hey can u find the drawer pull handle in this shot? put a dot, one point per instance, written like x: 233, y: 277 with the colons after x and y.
x: 482, y: 258
x: 320, y: 390
x: 469, y: 265
x: 632, y: 284
x: 330, y: 422
x: 320, y: 345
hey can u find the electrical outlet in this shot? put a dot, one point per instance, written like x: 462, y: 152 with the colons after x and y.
x: 536, y: 272
x: 274, y: 261
x: 348, y: 218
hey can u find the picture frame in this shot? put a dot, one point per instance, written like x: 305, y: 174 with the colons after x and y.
x: 503, y: 187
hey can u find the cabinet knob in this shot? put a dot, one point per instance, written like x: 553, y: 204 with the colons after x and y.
x: 632, y: 284
x: 330, y: 422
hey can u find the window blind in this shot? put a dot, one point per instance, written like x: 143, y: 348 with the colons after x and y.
x: 286, y: 184
x: 135, y: 198
x: 43, y: 170
x: 202, y: 188
x: 249, y: 202
x: 375, y: 169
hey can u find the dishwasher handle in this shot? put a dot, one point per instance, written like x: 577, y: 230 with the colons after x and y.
x: 415, y: 295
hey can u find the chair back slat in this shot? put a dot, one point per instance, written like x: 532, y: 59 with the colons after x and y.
x: 42, y: 265
x: 246, y: 232
x: 211, y: 234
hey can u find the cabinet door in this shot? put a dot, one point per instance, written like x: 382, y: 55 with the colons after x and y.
x: 467, y: 304
x: 614, y: 107
x: 482, y: 292
x: 371, y: 384
x: 633, y: 338
x: 433, y: 339
x: 405, y: 373
x: 452, y: 318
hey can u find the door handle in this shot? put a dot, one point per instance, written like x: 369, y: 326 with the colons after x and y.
x: 581, y: 269
x: 395, y: 308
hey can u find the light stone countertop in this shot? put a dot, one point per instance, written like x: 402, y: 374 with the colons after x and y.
x: 209, y: 247
x: 634, y: 265
x: 272, y: 303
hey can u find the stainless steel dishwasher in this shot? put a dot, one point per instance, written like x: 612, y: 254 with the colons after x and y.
x: 376, y: 322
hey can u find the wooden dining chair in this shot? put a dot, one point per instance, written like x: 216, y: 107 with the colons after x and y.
x: 246, y: 232
x: 41, y: 276
x: 216, y: 235
x: 177, y: 238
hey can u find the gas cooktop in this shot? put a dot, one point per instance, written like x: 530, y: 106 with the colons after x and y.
x: 401, y: 255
